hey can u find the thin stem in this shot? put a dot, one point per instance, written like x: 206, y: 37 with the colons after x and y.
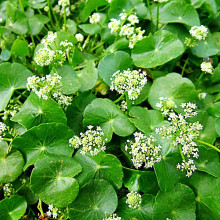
x: 21, y: 5
x: 180, y: 148
x: 21, y: 93
x: 149, y: 8
x: 64, y: 18
x: 128, y: 101
x: 207, y: 144
x: 49, y: 13
x: 184, y: 66
x: 39, y: 206
x: 1, y: 113
x: 86, y: 42
x: 7, y: 139
x: 158, y: 15
x: 97, y: 46
x: 120, y: 98
x: 200, y: 77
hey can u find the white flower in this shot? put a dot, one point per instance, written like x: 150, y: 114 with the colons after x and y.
x: 79, y: 37
x: 49, y: 39
x: 199, y: 32
x: 202, y: 95
x: 91, y: 141
x: 129, y: 81
x: 114, y: 25
x: 94, y: 18
x: 126, y: 30
x: 112, y: 217
x: 63, y: 3
x: 133, y: 19
x: 44, y: 56
x: 123, y: 16
x: 133, y: 200
x: 207, y: 67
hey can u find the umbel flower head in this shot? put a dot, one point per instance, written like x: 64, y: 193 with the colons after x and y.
x: 143, y: 150
x: 133, y: 200
x: 48, y: 86
x: 52, y: 212
x: 44, y: 56
x: 125, y: 26
x: 49, y: 39
x: 112, y: 217
x: 182, y: 133
x: 91, y: 141
x: 207, y: 67
x: 94, y: 18
x: 199, y: 32
x: 129, y: 81
x: 3, y: 128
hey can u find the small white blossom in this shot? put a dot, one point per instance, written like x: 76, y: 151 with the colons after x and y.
x: 63, y: 3
x: 91, y: 141
x: 114, y: 25
x: 79, y: 37
x: 94, y: 18
x: 133, y: 19
x: 202, y: 95
x: 49, y: 39
x: 133, y: 200
x: 44, y: 56
x: 182, y: 133
x: 112, y: 217
x: 8, y: 190
x: 129, y: 81
x: 143, y: 150
x: 207, y: 67
x: 199, y: 32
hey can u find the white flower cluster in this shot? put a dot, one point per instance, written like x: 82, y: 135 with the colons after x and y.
x: 112, y: 217
x: 13, y: 107
x: 165, y: 105
x: 133, y: 200
x: 8, y: 189
x: 52, y: 212
x: 182, y: 134
x: 94, y: 18
x: 199, y: 32
x: 48, y: 86
x: 123, y: 106
x: 46, y: 56
x: 129, y: 81
x: 121, y: 28
x: 3, y: 128
x: 202, y: 95
x: 62, y: 7
x: 91, y: 141
x: 207, y: 67
x: 143, y: 150
x: 79, y: 37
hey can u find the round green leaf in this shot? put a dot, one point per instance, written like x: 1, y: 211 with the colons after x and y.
x: 74, y: 112
x: 37, y: 4
x: 95, y: 199
x: 45, y: 139
x: 177, y: 204
x: 138, y: 180
x: 87, y: 76
x: 156, y: 50
x: 205, y: 48
x: 179, y: 12
x: 52, y: 180
x: 16, y: 20
x: 117, y: 7
x: 70, y: 81
x: 106, y: 167
x: 146, y: 120
x: 37, y: 110
x: 172, y: 86
x: 207, y: 191
x: 37, y: 22
x: 144, y: 212
x: 90, y: 28
x: 113, y: 62
x: 105, y: 113
x: 166, y: 172
x: 12, y: 76
x: 12, y: 208
x: 11, y: 164
x: 20, y: 48
x: 208, y: 161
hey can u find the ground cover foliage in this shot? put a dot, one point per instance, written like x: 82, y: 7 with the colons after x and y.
x: 110, y: 109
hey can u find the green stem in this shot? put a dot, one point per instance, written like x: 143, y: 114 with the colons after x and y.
x: 184, y: 66
x: 128, y: 102
x: 180, y: 148
x: 49, y: 13
x: 39, y: 206
x: 149, y: 8
x: 97, y: 46
x: 207, y: 144
x: 7, y: 139
x: 21, y: 93
x: 86, y: 42
x: 64, y: 18
x: 120, y: 98
x: 79, y: 67
x: 21, y: 5
x: 200, y: 77
x: 158, y: 14
x: 1, y: 113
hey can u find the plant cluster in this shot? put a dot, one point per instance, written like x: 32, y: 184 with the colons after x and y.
x: 109, y: 109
